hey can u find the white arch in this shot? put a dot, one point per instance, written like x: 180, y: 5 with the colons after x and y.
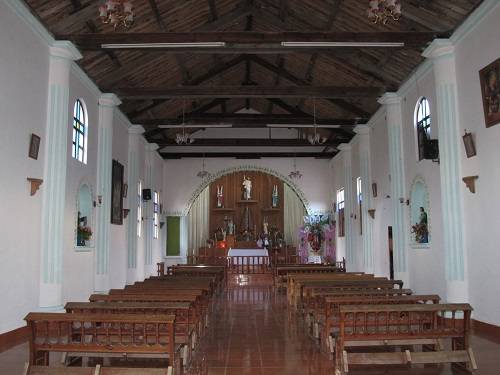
x: 250, y: 168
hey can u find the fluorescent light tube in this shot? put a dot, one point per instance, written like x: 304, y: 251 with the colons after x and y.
x: 197, y: 126
x: 302, y: 126
x: 342, y: 44
x: 164, y: 45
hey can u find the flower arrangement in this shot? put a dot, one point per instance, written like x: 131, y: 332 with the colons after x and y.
x: 84, y: 233
x: 314, y: 227
x: 421, y: 233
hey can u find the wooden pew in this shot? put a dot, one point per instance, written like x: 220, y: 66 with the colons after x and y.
x: 185, y: 314
x: 98, y: 370
x: 328, y: 318
x: 395, y: 325
x: 282, y: 271
x: 346, y: 285
x: 102, y: 335
x: 199, y: 270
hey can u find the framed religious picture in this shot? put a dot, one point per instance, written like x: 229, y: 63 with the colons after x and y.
x: 117, y: 193
x: 490, y: 90
x: 470, y: 148
x: 34, y: 146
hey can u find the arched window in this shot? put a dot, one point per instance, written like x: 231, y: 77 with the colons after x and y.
x: 423, y: 126
x: 79, y: 146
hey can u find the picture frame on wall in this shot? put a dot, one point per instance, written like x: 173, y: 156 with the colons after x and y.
x: 117, y: 193
x: 470, y: 148
x: 34, y: 146
x: 489, y: 77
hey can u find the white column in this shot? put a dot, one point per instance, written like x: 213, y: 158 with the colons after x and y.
x: 394, y: 118
x: 107, y: 104
x: 62, y: 53
x: 148, y: 209
x: 351, y: 258
x: 363, y: 132
x: 134, y: 140
x: 442, y: 53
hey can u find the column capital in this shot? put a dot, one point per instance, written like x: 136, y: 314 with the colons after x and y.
x: 345, y: 147
x: 136, y: 129
x: 152, y: 147
x: 109, y: 100
x: 390, y: 98
x: 362, y: 129
x: 64, y: 49
x: 439, y: 48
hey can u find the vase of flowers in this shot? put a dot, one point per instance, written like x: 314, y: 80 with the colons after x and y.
x: 83, y: 235
x: 421, y: 233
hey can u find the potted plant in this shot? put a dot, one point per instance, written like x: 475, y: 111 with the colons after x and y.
x: 83, y: 235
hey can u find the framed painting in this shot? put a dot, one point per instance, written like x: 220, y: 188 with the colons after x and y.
x: 117, y: 193
x: 34, y: 146
x: 490, y: 91
x: 470, y: 148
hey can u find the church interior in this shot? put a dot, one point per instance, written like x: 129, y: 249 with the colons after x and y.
x: 219, y: 187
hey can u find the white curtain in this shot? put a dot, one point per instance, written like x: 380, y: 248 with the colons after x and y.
x: 198, y: 218
x: 294, y: 212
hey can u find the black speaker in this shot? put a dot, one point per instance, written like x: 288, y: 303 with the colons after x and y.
x: 146, y: 194
x: 431, y: 149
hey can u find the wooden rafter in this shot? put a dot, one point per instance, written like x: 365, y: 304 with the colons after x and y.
x: 247, y: 90
x: 246, y: 155
x: 248, y: 142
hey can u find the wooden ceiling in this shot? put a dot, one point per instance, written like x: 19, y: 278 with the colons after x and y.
x: 272, y: 84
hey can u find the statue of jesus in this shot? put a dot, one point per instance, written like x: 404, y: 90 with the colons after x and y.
x: 247, y: 188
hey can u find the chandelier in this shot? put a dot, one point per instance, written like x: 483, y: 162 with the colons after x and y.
x: 203, y: 173
x: 295, y: 174
x: 117, y: 13
x: 183, y: 138
x: 381, y: 11
x: 316, y: 138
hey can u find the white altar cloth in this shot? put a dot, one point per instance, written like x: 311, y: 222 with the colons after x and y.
x: 247, y: 253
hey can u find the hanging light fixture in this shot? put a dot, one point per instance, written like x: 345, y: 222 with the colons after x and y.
x: 203, y: 173
x: 381, y: 11
x: 295, y: 174
x: 183, y: 138
x: 117, y: 13
x: 316, y: 138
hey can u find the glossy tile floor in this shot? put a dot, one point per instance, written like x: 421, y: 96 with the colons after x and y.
x: 252, y: 332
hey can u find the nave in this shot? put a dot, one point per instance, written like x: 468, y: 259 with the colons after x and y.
x: 253, y: 331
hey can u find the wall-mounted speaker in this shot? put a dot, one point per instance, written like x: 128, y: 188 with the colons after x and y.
x: 146, y: 194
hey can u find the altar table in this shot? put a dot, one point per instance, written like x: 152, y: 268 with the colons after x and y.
x: 245, y: 255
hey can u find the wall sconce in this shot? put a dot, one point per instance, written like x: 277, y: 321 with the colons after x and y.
x: 371, y: 212
x: 125, y: 212
x: 162, y: 223
x: 401, y: 200
x: 99, y: 200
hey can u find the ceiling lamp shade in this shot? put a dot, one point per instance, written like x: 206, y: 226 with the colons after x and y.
x: 381, y: 11
x: 117, y: 13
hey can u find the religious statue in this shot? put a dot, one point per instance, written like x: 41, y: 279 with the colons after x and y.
x: 230, y: 227
x: 247, y: 188
x: 265, y: 225
x: 420, y: 229
x: 275, y: 196
x: 220, y: 196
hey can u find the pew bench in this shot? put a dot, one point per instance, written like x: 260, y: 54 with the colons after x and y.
x: 386, y: 326
x: 281, y: 272
x: 102, y: 335
x: 98, y: 370
x: 186, y: 320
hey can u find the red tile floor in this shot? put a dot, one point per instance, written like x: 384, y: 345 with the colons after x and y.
x: 251, y: 332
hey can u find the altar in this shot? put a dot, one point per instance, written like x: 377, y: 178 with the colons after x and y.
x: 245, y: 256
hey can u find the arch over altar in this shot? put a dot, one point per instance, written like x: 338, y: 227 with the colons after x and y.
x: 251, y: 168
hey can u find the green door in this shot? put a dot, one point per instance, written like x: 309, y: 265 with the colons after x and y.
x: 173, y: 235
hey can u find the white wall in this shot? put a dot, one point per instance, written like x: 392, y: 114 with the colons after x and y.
x: 338, y: 182
x: 23, y: 105
x: 181, y: 182
x: 24, y: 63
x: 482, y: 210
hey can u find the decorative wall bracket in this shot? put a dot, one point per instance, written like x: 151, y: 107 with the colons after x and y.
x: 125, y: 212
x: 35, y: 184
x: 470, y: 182
x: 371, y: 212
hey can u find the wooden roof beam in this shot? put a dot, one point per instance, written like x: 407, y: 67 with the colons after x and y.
x: 248, y: 142
x: 246, y: 155
x: 213, y: 10
x: 248, y: 40
x: 247, y: 91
